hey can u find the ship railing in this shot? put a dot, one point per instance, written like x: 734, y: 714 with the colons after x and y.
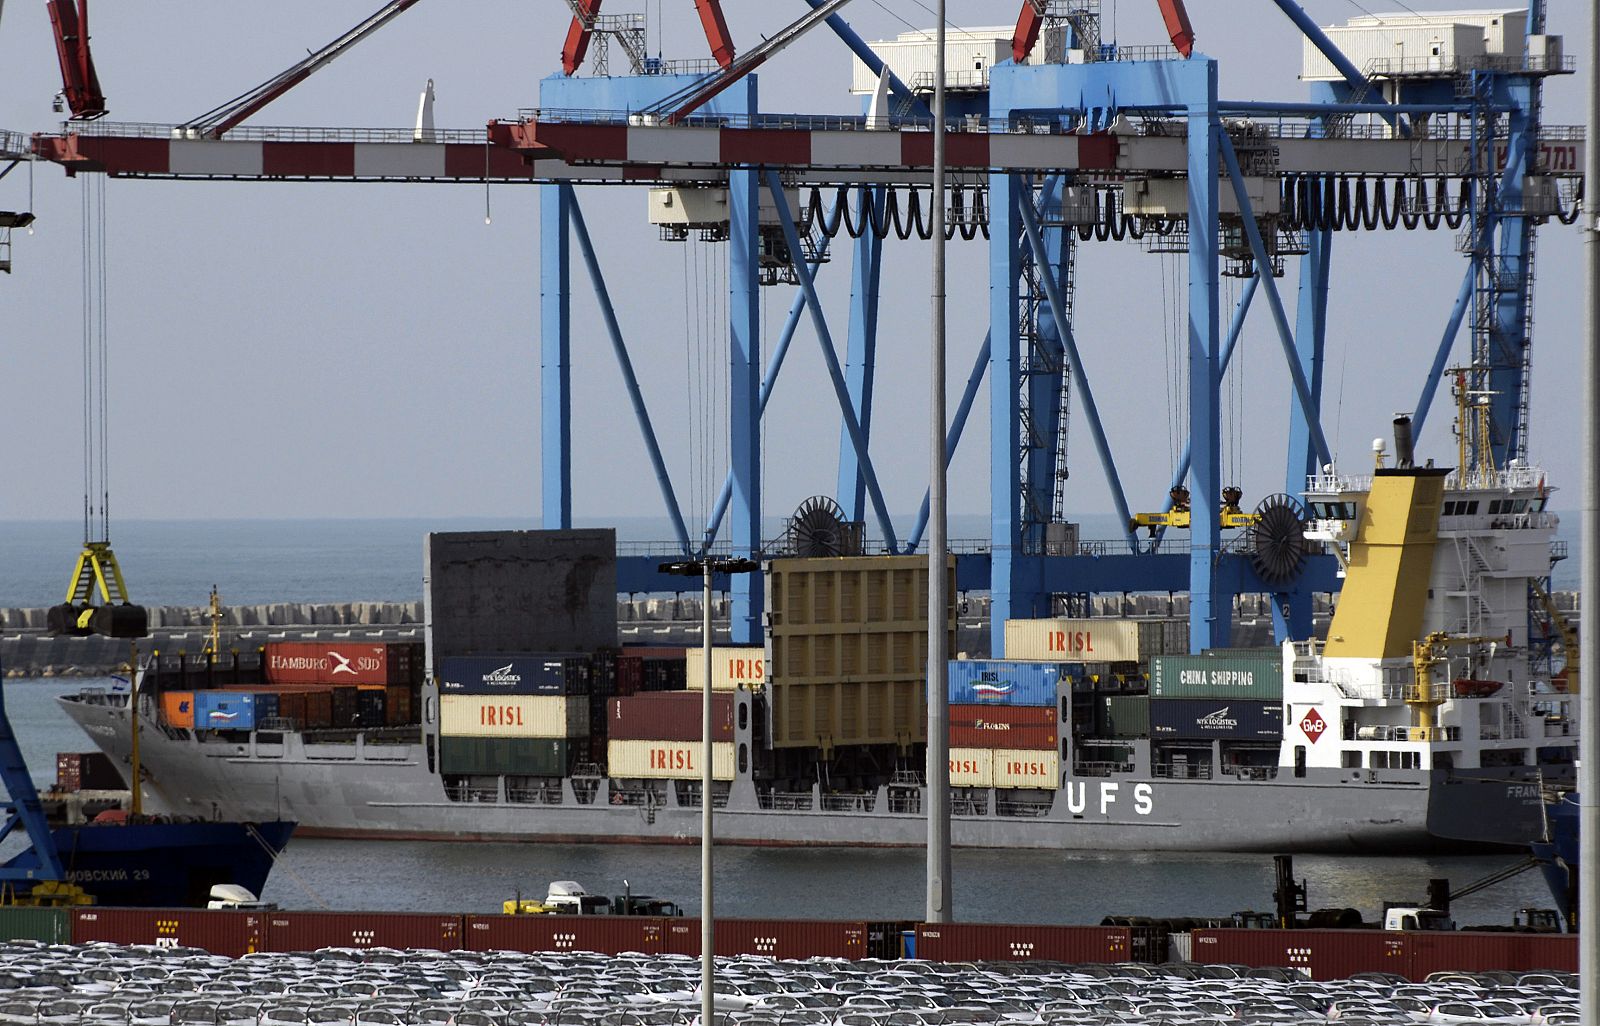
x: 1100, y: 769
x: 641, y: 796
x: 464, y: 792
x: 1024, y: 807
x: 1182, y: 771
x: 785, y: 801
x: 905, y: 801
x: 691, y: 799
x: 858, y: 802
x: 1252, y: 772
x: 960, y: 806
x: 534, y: 795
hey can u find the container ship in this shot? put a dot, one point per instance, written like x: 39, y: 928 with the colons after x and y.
x: 1417, y: 725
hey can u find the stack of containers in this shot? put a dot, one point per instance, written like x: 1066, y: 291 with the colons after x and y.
x: 659, y: 735
x: 1004, y: 725
x: 605, y: 668
x: 1108, y: 657
x: 1223, y: 694
x: 512, y: 714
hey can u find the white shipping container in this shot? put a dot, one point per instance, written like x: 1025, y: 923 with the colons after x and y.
x: 667, y: 760
x: 1040, y: 769
x: 1094, y: 640
x: 547, y: 716
x: 731, y: 666
x: 971, y: 767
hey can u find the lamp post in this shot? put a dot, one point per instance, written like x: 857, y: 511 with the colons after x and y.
x: 705, y: 569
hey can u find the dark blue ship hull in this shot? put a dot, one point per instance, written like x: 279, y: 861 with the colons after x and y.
x: 164, y: 864
x: 1558, y: 857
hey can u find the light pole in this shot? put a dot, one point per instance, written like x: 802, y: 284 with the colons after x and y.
x: 705, y: 569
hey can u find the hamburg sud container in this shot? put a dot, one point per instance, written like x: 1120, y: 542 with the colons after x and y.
x: 513, y: 716
x: 1095, y: 640
x: 988, y: 682
x: 730, y: 668
x: 1253, y: 675
x: 330, y: 662
x: 558, y: 674
x: 1224, y: 719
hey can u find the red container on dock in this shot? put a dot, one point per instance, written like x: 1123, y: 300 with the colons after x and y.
x: 87, y: 771
x: 308, y: 931
x: 973, y: 942
x: 668, y: 716
x: 1321, y: 954
x: 607, y: 935
x: 773, y: 938
x: 1475, y: 952
x: 332, y: 662
x: 222, y: 933
x: 1015, y: 727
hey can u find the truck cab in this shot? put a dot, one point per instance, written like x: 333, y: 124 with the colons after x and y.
x: 1411, y: 919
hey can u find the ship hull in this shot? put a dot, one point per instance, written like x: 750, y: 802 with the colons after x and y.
x: 387, y: 791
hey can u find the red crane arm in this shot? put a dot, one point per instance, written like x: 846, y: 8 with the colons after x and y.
x: 1178, y: 27
x: 79, y: 83
x: 578, y: 36
x: 1031, y: 21
x: 716, y: 31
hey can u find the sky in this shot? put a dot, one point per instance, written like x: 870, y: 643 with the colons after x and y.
x: 346, y: 350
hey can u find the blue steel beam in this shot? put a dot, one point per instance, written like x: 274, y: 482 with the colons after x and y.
x: 861, y: 356
x: 609, y: 314
x: 1329, y: 48
x: 1210, y: 602
x: 744, y: 402
x: 555, y: 357
x: 952, y: 439
x: 1512, y: 263
x: 830, y: 357
x: 874, y: 63
x: 1310, y: 336
x: 1441, y: 356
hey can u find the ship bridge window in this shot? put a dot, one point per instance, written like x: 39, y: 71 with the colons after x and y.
x: 1333, y: 510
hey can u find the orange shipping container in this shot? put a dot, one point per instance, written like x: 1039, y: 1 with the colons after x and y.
x: 177, y: 708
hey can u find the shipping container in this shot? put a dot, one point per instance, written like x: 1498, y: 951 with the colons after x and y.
x: 561, y: 673
x: 22, y: 922
x: 731, y: 667
x: 1122, y: 716
x: 233, y: 934
x: 1482, y: 952
x: 1256, y: 676
x: 1018, y: 768
x: 309, y: 931
x: 989, y: 682
x: 306, y: 710
x: 177, y: 708
x: 606, y: 935
x: 346, y: 707
x: 770, y: 938
x: 1095, y: 640
x: 398, y: 705
x: 225, y: 710
x: 503, y: 756
x: 514, y: 715
x: 980, y: 942
x: 815, y: 715
x: 332, y: 662
x: 669, y: 716
x: 87, y: 771
x: 1223, y: 719
x: 971, y: 767
x: 630, y: 674
x: 1319, y: 954
x: 663, y: 673
x: 1002, y: 726
x: 667, y: 760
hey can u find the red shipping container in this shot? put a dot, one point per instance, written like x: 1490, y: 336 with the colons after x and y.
x: 308, y: 931
x: 630, y: 674
x: 87, y: 771
x: 397, y: 705
x: 606, y: 935
x: 974, y: 942
x: 668, y: 716
x: 1479, y: 952
x: 222, y: 933
x: 773, y: 938
x: 1017, y: 727
x: 332, y: 662
x: 1320, y: 954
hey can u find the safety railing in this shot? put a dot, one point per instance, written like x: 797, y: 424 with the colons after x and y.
x: 534, y: 796
x: 15, y: 146
x: 1024, y: 808
x: 276, y: 133
x: 785, y: 801
x: 861, y: 802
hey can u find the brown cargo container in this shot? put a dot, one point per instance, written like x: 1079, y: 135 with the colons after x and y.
x: 308, y: 931
x: 973, y: 942
x: 773, y: 938
x: 1320, y: 954
x: 398, y: 705
x: 1003, y: 726
x: 1479, y: 952
x: 668, y: 716
x: 222, y: 933
x: 330, y: 662
x: 607, y: 935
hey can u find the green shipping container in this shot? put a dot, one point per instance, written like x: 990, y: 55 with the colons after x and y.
x: 1254, y: 675
x: 1124, y: 716
x: 497, y: 756
x: 51, y: 925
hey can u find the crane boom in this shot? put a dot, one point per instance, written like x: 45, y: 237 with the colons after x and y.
x: 716, y: 28
x: 80, y: 85
x: 573, y: 51
x: 1178, y: 27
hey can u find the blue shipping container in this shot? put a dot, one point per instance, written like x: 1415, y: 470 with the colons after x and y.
x: 224, y: 710
x: 991, y: 682
x: 506, y: 675
x: 1224, y: 719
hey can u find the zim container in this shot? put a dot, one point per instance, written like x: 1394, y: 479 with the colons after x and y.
x: 668, y: 716
x: 549, y: 716
x: 667, y: 760
x: 1252, y: 675
x: 513, y: 674
x: 1094, y: 639
x: 499, y: 756
x: 1017, y: 727
x: 991, y: 682
x: 1221, y: 718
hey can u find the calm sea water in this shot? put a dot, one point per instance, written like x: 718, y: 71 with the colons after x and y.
x: 990, y: 886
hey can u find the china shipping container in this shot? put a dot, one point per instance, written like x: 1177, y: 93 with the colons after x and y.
x: 1122, y: 716
x: 23, y: 922
x: 668, y: 716
x: 1095, y: 639
x: 177, y: 708
x: 331, y: 662
x: 975, y: 942
x: 990, y: 726
x: 560, y: 673
x: 667, y: 760
x: 1251, y: 675
x: 879, y: 712
x: 225, y: 710
x: 233, y: 934
x: 309, y: 931
x: 991, y: 682
x: 501, y: 756
x: 1221, y: 718
x: 606, y: 935
x: 731, y: 667
x: 87, y: 771
x: 514, y: 715
x: 770, y: 938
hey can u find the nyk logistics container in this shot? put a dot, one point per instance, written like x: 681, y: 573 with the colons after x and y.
x: 560, y: 674
x: 1095, y: 640
x: 1002, y: 726
x: 1255, y: 675
x: 989, y: 682
x: 667, y: 760
x: 669, y: 716
x: 514, y: 715
x: 1224, y: 719
x: 503, y: 756
x: 730, y: 668
x: 327, y: 662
